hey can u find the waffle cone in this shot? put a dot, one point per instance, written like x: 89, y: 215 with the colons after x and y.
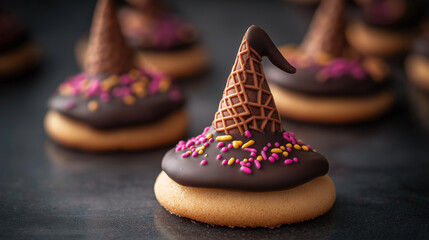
x: 247, y: 103
x: 326, y: 32
x: 107, y: 51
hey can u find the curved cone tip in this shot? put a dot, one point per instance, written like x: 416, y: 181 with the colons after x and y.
x: 107, y: 51
x: 247, y: 103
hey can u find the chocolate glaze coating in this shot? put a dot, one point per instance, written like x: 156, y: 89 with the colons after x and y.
x: 305, y: 81
x: 270, y: 177
x: 115, y: 113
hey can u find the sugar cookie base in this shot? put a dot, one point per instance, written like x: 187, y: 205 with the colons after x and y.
x: 178, y: 64
x: 331, y: 110
x: 246, y: 209
x: 75, y: 134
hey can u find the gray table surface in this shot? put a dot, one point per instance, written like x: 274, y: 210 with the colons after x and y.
x: 49, y: 192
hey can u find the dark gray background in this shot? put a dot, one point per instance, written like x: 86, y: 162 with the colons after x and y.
x: 48, y: 192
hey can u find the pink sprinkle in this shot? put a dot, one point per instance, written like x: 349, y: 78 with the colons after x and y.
x: 253, y: 154
x: 288, y: 161
x: 289, y: 149
x: 277, y: 144
x: 275, y: 155
x: 248, y: 164
x: 181, y: 142
x: 219, y: 157
x: 271, y: 159
x: 197, y: 142
x: 247, y: 134
x: 269, y: 144
x: 250, y: 159
x: 211, y: 140
x: 189, y: 143
x: 243, y: 163
x: 295, y: 159
x: 194, y: 154
x: 265, y: 149
x: 95, y: 85
x: 224, y: 162
x: 224, y: 149
x: 237, y: 160
x: 193, y: 148
x: 105, y: 97
x: 263, y: 155
x: 230, y: 146
x: 246, y: 170
x: 206, y: 130
x: 257, y: 164
x: 204, y: 162
x: 185, y: 154
x: 251, y: 150
x: 203, y: 139
x: 175, y: 94
x: 221, y: 144
x: 206, y: 144
x: 126, y: 79
x: 309, y: 146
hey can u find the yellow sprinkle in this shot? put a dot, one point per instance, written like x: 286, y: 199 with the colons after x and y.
x: 189, y: 152
x: 200, y: 152
x: 164, y: 84
x: 209, y: 136
x: 314, y: 150
x: 231, y: 161
x: 285, y: 154
x: 93, y: 106
x: 305, y: 148
x: 206, y: 155
x: 237, y: 144
x: 248, y: 144
x: 289, y: 145
x: 224, y: 138
x: 297, y: 147
x: 245, y: 160
x: 259, y: 158
x: 282, y: 148
x: 276, y: 150
x: 129, y: 100
x: 138, y: 89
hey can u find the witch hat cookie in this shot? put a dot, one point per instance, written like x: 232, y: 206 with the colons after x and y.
x: 161, y: 39
x: 244, y: 170
x: 333, y: 84
x: 18, y: 53
x: 114, y: 105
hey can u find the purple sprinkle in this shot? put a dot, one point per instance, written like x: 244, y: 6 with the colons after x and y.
x: 247, y: 134
x: 263, y: 155
x: 246, y: 170
x: 257, y: 164
x: 288, y: 161
x: 251, y: 150
x: 204, y: 162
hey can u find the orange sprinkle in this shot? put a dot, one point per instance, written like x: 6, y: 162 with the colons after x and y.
x: 129, y: 100
x: 282, y: 148
x: 289, y: 145
x: 248, y: 144
x: 305, y: 148
x: 285, y: 154
x: 245, y: 160
x: 231, y: 161
x: 297, y: 147
x: 259, y: 158
x: 134, y: 74
x: 276, y: 150
x: 93, y: 106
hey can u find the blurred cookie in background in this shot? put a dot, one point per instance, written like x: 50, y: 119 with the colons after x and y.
x: 384, y: 28
x: 18, y: 53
